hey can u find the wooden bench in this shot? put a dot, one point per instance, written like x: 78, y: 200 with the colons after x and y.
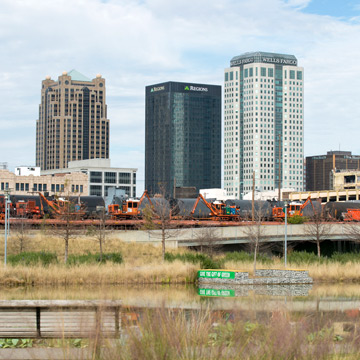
x: 59, y: 318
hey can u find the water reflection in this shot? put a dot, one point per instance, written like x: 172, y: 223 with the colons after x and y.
x: 222, y: 290
x: 190, y: 296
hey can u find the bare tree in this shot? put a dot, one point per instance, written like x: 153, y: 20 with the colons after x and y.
x: 20, y: 234
x: 157, y: 216
x: 68, y: 211
x: 317, y: 229
x: 99, y: 231
x: 256, y: 232
x: 209, y: 240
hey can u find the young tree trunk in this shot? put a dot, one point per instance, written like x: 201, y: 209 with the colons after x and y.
x: 163, y: 240
x: 318, y: 249
x: 66, y: 248
x: 101, y: 252
x: 255, y: 254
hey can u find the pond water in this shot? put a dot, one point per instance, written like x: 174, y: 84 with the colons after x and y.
x: 318, y: 297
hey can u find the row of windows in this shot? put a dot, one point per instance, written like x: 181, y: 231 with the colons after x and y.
x: 111, y: 177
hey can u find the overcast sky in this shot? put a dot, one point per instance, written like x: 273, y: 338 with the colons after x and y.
x: 138, y: 43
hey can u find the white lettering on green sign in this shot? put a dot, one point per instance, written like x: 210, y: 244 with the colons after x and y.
x: 216, y: 274
x: 216, y: 292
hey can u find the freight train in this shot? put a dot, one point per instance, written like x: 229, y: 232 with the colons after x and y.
x: 89, y: 207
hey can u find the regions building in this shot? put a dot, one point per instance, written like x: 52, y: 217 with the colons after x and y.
x: 263, y: 123
x: 320, y: 168
x: 72, y: 123
x: 182, y: 137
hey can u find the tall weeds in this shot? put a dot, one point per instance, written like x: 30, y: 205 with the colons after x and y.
x: 181, y: 334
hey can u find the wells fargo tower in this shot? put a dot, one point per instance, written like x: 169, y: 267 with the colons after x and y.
x: 72, y: 122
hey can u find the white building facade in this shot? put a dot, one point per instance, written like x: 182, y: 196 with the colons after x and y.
x: 263, y: 123
x: 101, y: 176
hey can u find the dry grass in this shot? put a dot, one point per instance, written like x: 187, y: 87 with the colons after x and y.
x: 142, y: 264
x: 176, y: 334
x: 111, y: 274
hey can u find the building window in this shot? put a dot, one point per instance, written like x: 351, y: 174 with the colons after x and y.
x: 81, y: 188
x: 22, y: 187
x: 124, y: 178
x: 96, y: 177
x: 53, y: 187
x: 45, y: 187
x: 251, y: 72
x: 27, y: 187
x: 226, y: 76
x: 110, y: 178
x: 96, y: 190
x: 292, y: 74
x: 35, y: 187
x: 299, y: 75
x: 263, y: 71
x: 270, y: 72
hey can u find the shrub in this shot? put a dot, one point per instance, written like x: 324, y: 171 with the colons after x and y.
x: 343, y: 258
x: 33, y: 258
x: 206, y: 262
x: 242, y: 256
x: 94, y: 259
x: 303, y: 257
x: 296, y: 219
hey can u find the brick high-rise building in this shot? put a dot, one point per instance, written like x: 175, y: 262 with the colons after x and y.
x: 72, y: 122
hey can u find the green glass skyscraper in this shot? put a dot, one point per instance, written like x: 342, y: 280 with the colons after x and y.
x: 182, y: 136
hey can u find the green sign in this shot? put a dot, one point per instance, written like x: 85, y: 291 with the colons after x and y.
x: 216, y: 292
x: 216, y: 274
x: 187, y: 88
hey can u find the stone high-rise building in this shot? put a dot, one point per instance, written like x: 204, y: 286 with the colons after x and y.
x: 263, y: 123
x: 72, y: 122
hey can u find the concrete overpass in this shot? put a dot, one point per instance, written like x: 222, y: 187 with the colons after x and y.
x: 273, y: 232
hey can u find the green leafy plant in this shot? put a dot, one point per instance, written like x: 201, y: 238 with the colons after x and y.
x: 33, y: 258
x: 15, y: 343
x: 296, y: 219
x: 206, y: 262
x: 94, y: 259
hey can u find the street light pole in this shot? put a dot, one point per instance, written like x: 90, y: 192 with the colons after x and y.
x: 6, y: 227
x: 285, y: 247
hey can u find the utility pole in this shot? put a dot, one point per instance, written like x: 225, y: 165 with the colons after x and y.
x: 285, y: 247
x: 279, y: 184
x: 253, y: 199
x: 7, y: 223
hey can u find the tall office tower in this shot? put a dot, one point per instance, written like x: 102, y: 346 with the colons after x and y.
x: 182, y: 137
x: 263, y: 123
x: 72, y: 122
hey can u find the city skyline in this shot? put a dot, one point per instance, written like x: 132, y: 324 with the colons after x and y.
x: 133, y: 44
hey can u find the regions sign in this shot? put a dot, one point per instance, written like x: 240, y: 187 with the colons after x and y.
x: 196, y: 88
x: 157, y: 88
x: 216, y: 274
